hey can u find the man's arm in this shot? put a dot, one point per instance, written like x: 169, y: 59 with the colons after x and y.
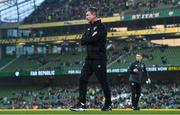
x: 83, y: 39
x: 98, y: 35
x: 147, y: 75
x: 131, y: 68
x: 146, y: 72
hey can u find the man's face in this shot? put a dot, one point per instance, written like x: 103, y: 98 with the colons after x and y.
x: 90, y: 17
x: 139, y: 57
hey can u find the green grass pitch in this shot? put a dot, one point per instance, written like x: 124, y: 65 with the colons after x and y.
x: 89, y: 112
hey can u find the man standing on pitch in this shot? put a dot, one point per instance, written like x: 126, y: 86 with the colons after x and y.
x: 94, y: 39
x: 136, y: 70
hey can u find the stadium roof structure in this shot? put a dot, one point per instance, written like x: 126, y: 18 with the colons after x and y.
x: 2, y: 1
x: 17, y: 10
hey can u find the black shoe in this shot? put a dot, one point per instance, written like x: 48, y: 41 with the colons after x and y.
x: 106, y: 108
x: 136, y: 108
x: 78, y: 107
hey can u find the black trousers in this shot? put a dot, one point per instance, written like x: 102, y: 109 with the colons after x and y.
x: 136, y: 93
x: 99, y: 68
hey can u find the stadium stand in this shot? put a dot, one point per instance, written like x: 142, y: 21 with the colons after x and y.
x: 63, y: 10
x: 5, y: 60
x: 161, y: 95
x: 122, y: 52
x: 41, y: 62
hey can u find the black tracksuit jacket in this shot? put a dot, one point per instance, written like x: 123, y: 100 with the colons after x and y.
x: 95, y: 45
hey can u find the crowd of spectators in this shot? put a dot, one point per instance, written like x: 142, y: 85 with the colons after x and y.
x: 155, y: 96
x: 63, y: 10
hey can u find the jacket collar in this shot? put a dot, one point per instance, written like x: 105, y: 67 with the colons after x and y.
x: 96, y: 22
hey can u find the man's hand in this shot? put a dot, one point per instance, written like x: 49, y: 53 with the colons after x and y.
x: 148, y: 81
x: 135, y: 70
x: 94, y: 33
